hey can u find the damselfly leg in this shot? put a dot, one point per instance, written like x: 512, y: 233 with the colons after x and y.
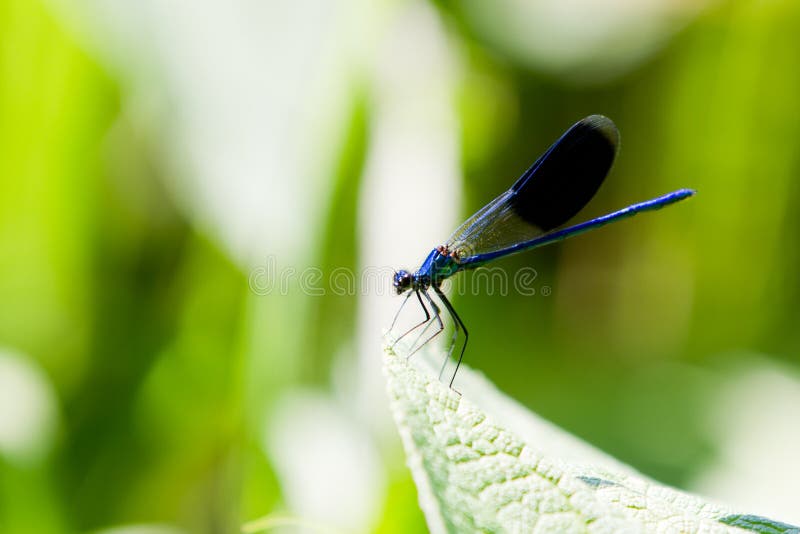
x: 424, y: 310
x: 458, y: 323
x: 437, y: 318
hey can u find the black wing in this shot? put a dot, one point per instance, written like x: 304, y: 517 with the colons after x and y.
x: 552, y: 191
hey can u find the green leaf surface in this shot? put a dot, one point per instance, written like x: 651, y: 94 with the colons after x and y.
x: 483, y: 463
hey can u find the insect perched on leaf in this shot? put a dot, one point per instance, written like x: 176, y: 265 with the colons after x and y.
x: 552, y: 191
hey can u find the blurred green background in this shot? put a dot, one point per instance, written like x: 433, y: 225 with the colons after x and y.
x: 160, y: 161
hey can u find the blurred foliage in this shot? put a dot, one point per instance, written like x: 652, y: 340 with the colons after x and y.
x: 339, y: 249
x: 148, y: 333
x: 712, y: 111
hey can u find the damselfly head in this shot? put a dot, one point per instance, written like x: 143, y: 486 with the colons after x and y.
x: 402, y: 281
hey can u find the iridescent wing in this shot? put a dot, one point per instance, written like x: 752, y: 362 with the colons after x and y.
x: 552, y: 191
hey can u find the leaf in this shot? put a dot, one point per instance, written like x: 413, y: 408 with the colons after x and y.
x: 482, y: 463
x: 760, y: 524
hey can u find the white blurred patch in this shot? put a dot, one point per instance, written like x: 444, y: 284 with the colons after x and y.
x: 27, y: 409
x: 328, y: 467
x: 582, y: 40
x: 412, y: 183
x: 248, y: 101
x: 756, y: 424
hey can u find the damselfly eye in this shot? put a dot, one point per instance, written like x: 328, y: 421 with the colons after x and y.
x: 401, y: 281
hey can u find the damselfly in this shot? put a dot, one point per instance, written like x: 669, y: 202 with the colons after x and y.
x: 552, y: 191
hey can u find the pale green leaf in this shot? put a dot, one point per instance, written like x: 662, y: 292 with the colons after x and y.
x: 482, y: 463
